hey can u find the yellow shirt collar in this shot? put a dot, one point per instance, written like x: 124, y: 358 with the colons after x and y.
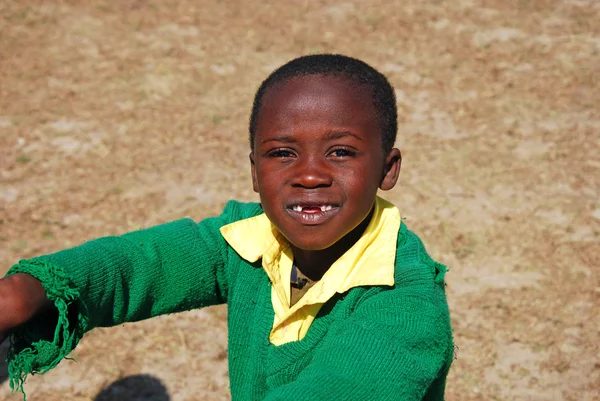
x: 370, y: 261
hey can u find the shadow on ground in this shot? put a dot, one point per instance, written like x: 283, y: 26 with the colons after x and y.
x: 130, y: 388
x: 135, y: 388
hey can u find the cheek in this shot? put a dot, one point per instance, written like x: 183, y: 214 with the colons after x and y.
x: 362, y: 182
x: 268, y: 184
x: 261, y: 175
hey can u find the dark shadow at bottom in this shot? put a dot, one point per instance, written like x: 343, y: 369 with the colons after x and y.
x: 130, y: 388
x: 134, y: 388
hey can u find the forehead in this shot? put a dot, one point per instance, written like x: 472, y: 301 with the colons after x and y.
x: 317, y: 98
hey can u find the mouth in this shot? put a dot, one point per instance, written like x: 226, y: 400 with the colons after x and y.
x: 312, y: 208
x: 312, y: 214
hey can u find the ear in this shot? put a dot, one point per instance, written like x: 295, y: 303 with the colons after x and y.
x: 393, y: 162
x: 253, y: 172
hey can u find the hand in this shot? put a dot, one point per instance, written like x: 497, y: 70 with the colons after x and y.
x: 21, y: 298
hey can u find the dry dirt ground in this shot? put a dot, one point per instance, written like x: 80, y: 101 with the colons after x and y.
x: 116, y: 115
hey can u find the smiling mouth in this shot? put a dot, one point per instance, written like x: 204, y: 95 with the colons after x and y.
x: 311, y: 215
x: 312, y: 208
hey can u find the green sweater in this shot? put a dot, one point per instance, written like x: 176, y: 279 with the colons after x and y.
x: 370, y: 343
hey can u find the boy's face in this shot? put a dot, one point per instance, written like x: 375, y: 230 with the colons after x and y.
x: 317, y: 159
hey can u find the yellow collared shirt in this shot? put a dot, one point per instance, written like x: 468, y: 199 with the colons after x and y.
x: 370, y: 261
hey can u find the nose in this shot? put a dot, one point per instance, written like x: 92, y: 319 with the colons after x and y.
x: 311, y: 173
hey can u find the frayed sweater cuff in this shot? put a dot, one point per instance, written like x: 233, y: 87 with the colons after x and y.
x: 39, y: 346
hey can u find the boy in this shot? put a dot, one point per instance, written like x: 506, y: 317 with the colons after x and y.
x: 329, y: 295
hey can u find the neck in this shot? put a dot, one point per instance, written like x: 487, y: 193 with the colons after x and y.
x: 314, y: 264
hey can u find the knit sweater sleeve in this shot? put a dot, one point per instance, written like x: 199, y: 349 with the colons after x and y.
x: 397, y: 345
x: 108, y: 281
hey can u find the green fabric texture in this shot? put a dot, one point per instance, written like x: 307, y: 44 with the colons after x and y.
x: 370, y: 343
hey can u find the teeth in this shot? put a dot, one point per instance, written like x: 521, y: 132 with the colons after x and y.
x: 324, y: 208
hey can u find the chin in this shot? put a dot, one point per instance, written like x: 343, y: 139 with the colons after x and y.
x: 311, y: 245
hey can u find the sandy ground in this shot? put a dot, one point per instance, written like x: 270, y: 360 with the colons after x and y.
x: 116, y: 115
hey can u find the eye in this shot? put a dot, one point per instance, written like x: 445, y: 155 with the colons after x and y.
x: 342, y: 153
x: 280, y: 154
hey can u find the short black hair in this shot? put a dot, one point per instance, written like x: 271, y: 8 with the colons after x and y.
x: 384, y: 98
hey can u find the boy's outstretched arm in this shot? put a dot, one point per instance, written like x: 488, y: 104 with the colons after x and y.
x: 105, y: 282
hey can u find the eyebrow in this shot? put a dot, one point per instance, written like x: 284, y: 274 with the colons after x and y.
x: 284, y: 139
x: 330, y: 135
x: 342, y: 134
